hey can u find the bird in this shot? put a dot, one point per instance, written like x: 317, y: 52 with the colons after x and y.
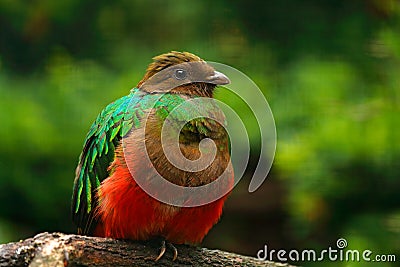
x: 108, y: 201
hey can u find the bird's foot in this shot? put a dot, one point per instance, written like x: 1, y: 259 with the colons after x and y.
x: 163, y: 248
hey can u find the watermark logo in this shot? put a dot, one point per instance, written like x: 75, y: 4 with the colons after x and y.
x: 340, y: 253
x: 341, y: 243
x: 160, y: 85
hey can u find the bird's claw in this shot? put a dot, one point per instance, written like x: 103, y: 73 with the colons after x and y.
x: 163, y: 248
x: 174, y: 249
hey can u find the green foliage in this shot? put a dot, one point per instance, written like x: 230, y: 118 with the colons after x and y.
x: 329, y: 70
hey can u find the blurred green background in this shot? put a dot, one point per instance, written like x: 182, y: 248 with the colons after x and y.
x: 329, y: 69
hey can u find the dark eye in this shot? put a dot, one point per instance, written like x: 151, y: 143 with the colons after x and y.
x: 180, y: 74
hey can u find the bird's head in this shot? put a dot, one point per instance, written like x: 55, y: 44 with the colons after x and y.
x: 182, y: 73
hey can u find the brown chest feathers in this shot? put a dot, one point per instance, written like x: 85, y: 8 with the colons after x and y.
x: 191, y: 158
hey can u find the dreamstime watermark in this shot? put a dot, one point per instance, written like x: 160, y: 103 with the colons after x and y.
x: 340, y: 253
x: 186, y: 109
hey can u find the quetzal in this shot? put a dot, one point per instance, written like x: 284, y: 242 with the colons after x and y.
x: 107, y: 201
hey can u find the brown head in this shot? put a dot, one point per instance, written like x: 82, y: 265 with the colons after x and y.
x: 183, y: 73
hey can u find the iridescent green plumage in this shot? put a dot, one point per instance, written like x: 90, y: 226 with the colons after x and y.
x: 98, y: 152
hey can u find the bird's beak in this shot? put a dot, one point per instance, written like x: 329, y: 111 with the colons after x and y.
x: 218, y: 78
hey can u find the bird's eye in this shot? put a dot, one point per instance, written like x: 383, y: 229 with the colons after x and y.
x: 180, y: 74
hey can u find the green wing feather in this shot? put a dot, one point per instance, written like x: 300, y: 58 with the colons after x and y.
x: 105, y: 134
